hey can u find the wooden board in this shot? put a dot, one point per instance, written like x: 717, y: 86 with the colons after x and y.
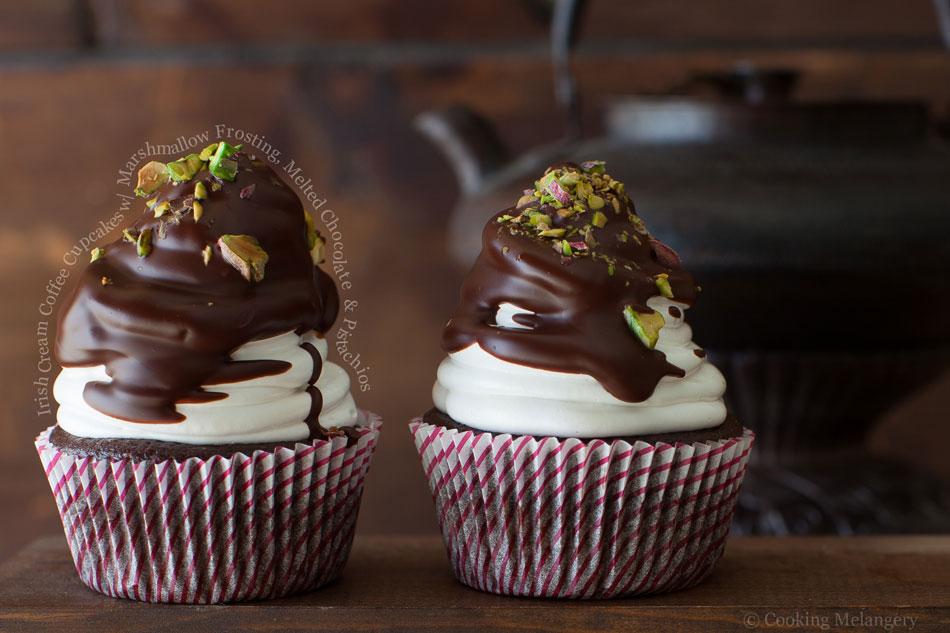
x: 405, y: 584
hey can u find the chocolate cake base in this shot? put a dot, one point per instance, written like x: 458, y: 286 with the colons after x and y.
x: 157, y: 450
x: 728, y: 429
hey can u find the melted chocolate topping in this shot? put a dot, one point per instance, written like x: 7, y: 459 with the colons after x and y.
x: 165, y: 324
x: 577, y: 292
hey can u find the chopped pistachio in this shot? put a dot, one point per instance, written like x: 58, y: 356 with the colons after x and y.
x: 311, y: 231
x: 96, y: 253
x: 589, y: 237
x: 105, y: 281
x: 539, y: 218
x: 504, y: 250
x: 130, y: 235
x: 566, y: 248
x: 615, y: 203
x: 197, y: 209
x: 221, y: 164
x: 151, y: 203
x: 524, y: 200
x: 184, y: 169
x: 318, y: 249
x: 553, y: 232
x: 245, y: 254
x: 201, y: 191
x: 583, y: 190
x: 595, y: 202
x: 161, y: 209
x: 247, y: 192
x: 566, y: 212
x: 569, y: 179
x: 599, y: 220
x: 594, y: 166
x: 663, y: 285
x: 206, y: 254
x: 152, y: 176
x: 216, y: 186
x: 208, y: 152
x: 504, y: 218
x: 646, y: 325
x: 143, y: 244
x: 610, y: 270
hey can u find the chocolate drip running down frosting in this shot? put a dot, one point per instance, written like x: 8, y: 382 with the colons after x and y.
x: 165, y: 323
x: 573, y: 252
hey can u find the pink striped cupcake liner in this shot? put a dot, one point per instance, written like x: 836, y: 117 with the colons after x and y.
x: 223, y: 529
x: 572, y: 519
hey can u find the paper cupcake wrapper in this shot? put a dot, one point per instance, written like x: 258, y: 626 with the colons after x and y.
x: 223, y: 529
x: 572, y: 519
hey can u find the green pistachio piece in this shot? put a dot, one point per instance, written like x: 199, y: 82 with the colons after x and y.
x: 151, y: 177
x: 96, y: 253
x: 663, y: 285
x: 216, y: 186
x: 201, y: 191
x: 130, y: 235
x: 553, y: 232
x: 143, y: 244
x: 206, y: 254
x: 566, y: 248
x: 208, y: 152
x: 221, y: 164
x: 184, y: 169
x: 525, y: 199
x: 311, y: 231
x: 569, y: 179
x: 539, y: 218
x: 595, y: 202
x: 245, y: 254
x: 318, y: 249
x: 599, y: 220
x: 197, y: 209
x: 583, y: 190
x: 615, y: 203
x: 161, y: 209
x: 646, y: 325
x: 610, y: 270
x: 504, y: 218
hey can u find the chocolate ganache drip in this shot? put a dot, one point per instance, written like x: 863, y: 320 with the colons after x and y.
x: 224, y: 254
x: 573, y: 252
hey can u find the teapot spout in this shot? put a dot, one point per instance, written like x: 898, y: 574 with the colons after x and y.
x: 467, y: 141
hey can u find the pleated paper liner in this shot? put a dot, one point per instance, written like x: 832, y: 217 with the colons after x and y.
x: 223, y: 529
x: 573, y: 519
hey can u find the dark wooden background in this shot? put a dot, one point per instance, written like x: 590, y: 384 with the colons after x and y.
x: 84, y: 83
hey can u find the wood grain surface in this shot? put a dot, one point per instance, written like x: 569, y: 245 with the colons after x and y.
x: 404, y: 583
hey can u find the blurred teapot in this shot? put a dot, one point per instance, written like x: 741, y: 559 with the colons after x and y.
x: 820, y: 235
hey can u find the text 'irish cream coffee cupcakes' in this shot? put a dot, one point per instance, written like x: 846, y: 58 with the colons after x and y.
x: 206, y: 450
x: 579, y: 446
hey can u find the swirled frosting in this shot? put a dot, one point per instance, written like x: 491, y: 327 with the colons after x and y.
x: 204, y: 323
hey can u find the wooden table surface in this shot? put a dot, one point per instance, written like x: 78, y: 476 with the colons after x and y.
x: 393, y: 583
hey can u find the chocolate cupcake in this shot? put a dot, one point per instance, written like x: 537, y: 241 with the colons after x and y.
x: 205, y: 448
x: 579, y: 445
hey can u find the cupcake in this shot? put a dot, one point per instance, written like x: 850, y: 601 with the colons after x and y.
x: 205, y: 449
x: 579, y: 446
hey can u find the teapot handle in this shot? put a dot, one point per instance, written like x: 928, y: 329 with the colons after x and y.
x: 565, y: 26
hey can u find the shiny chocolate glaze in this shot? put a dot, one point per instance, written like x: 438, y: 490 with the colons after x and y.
x: 578, y: 299
x: 164, y: 325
